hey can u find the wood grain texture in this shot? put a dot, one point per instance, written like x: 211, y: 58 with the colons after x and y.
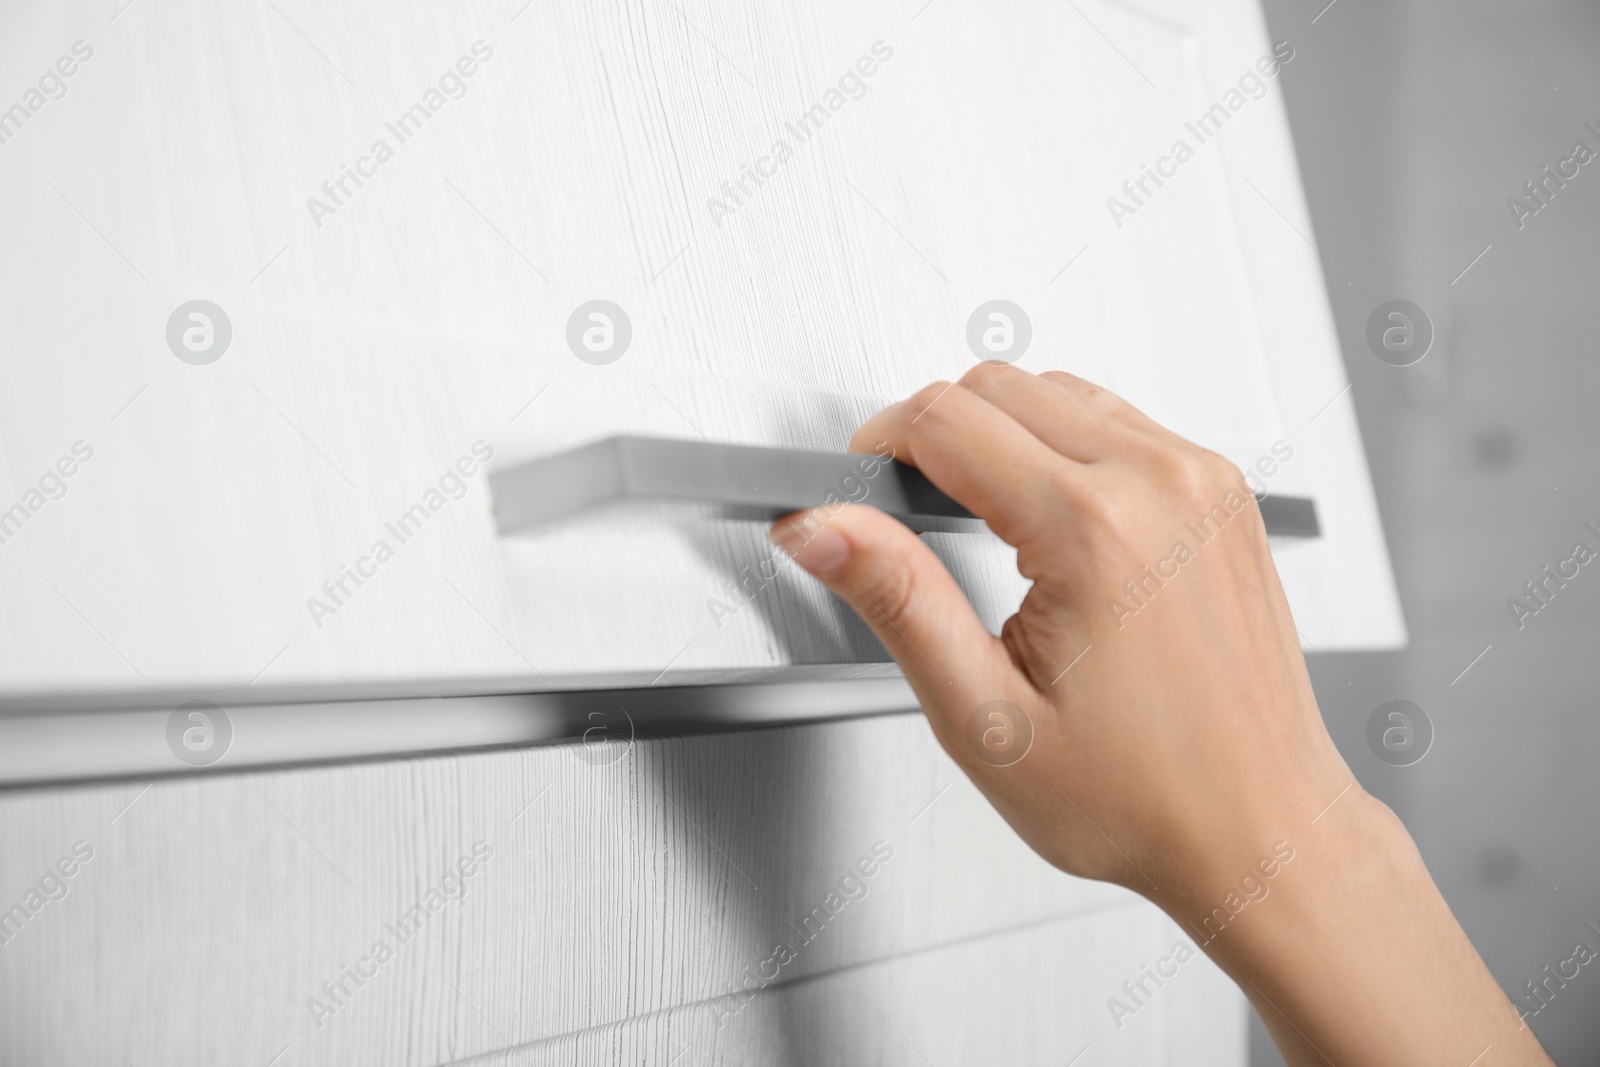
x: 1016, y: 998
x: 213, y: 910
x: 374, y: 345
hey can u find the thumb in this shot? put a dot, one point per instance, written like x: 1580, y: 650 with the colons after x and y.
x: 901, y: 589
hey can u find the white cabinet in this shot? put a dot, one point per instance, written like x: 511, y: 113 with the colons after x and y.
x: 397, y: 219
x: 309, y: 509
x: 610, y: 913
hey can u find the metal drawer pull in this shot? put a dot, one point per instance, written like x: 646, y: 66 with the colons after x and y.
x: 756, y: 482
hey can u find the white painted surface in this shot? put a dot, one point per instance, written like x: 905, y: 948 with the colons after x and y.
x: 369, y: 353
x: 70, y: 745
x: 945, y: 1006
x: 619, y: 902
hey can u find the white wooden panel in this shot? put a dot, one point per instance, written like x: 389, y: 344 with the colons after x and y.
x: 373, y: 347
x: 213, y: 909
x: 1037, y: 995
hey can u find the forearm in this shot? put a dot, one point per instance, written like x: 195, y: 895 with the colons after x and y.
x: 1353, y: 957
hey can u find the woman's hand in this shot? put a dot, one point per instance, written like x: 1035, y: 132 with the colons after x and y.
x: 1146, y: 717
x: 1154, y: 662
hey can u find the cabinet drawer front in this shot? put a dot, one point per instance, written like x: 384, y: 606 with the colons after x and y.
x: 400, y: 221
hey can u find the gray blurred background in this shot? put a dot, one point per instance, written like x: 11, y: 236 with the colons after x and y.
x: 1414, y: 122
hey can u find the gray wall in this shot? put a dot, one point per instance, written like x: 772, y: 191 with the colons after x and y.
x: 1414, y: 122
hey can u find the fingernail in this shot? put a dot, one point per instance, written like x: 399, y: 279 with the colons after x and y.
x: 813, y: 544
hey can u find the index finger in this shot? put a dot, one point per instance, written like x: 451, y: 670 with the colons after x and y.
x: 980, y: 456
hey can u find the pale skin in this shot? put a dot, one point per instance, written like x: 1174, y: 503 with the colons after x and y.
x: 1184, y: 744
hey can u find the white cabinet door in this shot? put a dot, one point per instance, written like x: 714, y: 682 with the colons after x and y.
x: 538, y: 906
x: 399, y: 214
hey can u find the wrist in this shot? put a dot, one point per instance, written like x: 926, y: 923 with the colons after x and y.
x: 1308, y: 881
x: 1296, y: 877
x: 1352, y: 927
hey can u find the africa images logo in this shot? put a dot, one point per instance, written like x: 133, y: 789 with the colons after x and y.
x: 199, y: 733
x: 1000, y: 733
